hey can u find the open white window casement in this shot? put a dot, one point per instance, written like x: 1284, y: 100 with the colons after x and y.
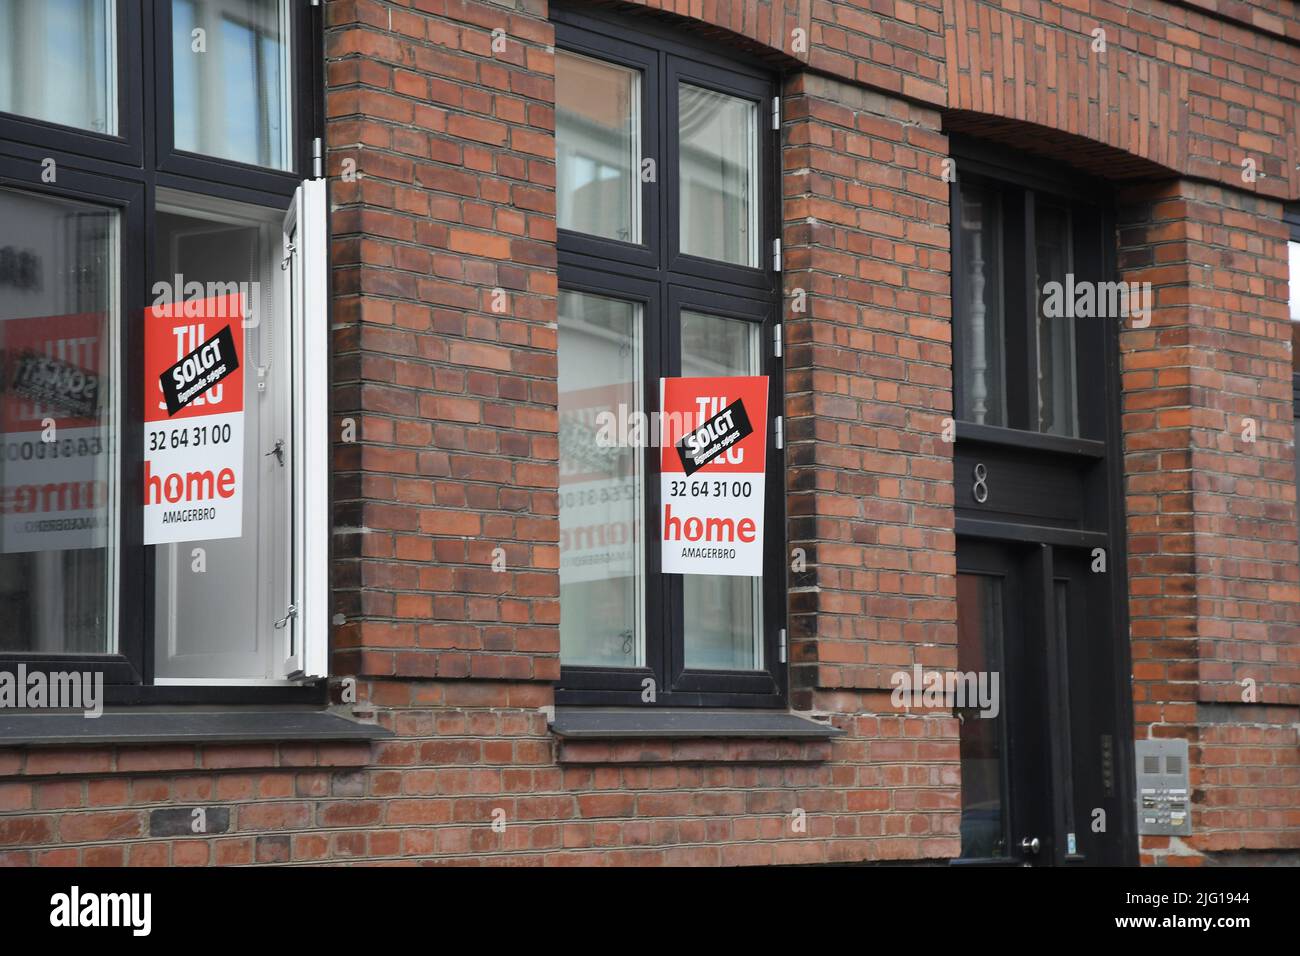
x: 305, y: 623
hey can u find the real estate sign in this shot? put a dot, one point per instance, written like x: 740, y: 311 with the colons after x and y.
x: 194, y: 421
x: 713, y: 463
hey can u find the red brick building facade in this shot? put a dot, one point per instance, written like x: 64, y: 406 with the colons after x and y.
x: 439, y: 144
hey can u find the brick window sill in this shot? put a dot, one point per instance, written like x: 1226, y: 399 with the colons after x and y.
x: 166, y: 739
x: 622, y: 735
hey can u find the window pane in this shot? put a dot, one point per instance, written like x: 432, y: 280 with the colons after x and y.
x: 1057, y: 411
x: 1293, y: 257
x: 981, y: 738
x: 59, y: 422
x: 215, y: 609
x: 981, y: 345
x: 230, y: 67
x: 57, y: 62
x: 601, y: 483
x: 597, y: 152
x: 723, y: 614
x: 718, y: 170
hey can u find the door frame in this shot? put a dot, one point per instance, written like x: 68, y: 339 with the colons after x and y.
x: 1107, y: 509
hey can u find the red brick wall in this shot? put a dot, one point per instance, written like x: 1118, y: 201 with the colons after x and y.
x: 1214, y: 573
x: 452, y: 389
x: 444, y: 342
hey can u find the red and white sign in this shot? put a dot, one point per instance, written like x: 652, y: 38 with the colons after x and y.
x: 713, y: 464
x: 54, y: 452
x: 194, y: 458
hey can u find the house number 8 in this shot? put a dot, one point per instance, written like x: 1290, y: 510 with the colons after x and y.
x: 980, y: 490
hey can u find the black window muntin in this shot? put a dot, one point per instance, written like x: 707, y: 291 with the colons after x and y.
x: 125, y: 172
x: 664, y: 281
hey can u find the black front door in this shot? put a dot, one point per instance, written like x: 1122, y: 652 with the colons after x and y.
x: 1040, y: 781
x: 1041, y: 586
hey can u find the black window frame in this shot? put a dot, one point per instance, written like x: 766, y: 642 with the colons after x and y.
x: 126, y: 172
x: 657, y: 275
x: 1021, y: 183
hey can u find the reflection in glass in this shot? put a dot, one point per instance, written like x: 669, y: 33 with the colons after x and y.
x: 723, y: 614
x: 597, y: 147
x: 215, y: 248
x: 58, y: 425
x: 601, y: 483
x: 982, y: 739
x: 230, y: 66
x: 718, y: 169
x: 1293, y: 262
x: 57, y: 62
x: 1057, y: 413
x: 981, y: 346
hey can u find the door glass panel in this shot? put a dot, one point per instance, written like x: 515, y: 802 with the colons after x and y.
x: 982, y: 739
x: 1054, y: 334
x: 214, y: 610
x: 718, y: 172
x: 980, y: 333
x: 59, y: 425
x: 597, y: 147
x: 601, y: 483
x: 723, y: 614
x: 57, y: 62
x: 230, y: 66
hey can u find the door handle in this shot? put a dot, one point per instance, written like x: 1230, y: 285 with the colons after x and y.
x: 1030, y: 845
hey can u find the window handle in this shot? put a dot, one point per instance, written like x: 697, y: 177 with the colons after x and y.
x: 277, y: 451
x: 289, y: 615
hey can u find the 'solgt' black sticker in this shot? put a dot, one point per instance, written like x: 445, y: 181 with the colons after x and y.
x: 199, y: 371
x: 46, y: 380
x: 714, y: 437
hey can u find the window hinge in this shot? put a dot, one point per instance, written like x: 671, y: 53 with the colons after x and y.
x: 781, y: 654
x: 776, y: 255
x: 776, y: 112
x: 289, y: 615
x: 776, y: 339
x: 778, y: 424
x: 317, y: 170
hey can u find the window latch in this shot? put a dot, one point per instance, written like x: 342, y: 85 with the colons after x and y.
x: 288, y: 256
x: 277, y: 451
x: 289, y: 615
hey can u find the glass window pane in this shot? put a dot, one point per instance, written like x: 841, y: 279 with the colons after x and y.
x: 980, y: 341
x: 57, y: 62
x: 1293, y: 257
x: 718, y: 171
x: 215, y: 610
x: 597, y: 147
x: 58, y: 425
x: 981, y: 738
x: 230, y: 69
x: 1057, y: 411
x: 723, y: 614
x: 601, y: 483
